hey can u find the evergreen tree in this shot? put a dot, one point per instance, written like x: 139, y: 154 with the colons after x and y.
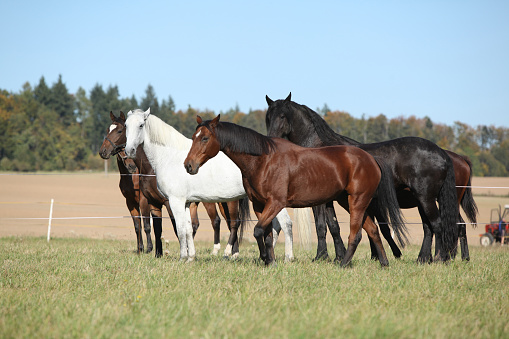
x: 42, y: 92
x: 150, y: 101
x: 62, y: 102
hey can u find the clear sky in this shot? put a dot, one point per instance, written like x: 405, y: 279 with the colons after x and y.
x: 448, y: 60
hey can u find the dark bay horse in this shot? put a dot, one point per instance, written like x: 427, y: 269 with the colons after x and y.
x: 422, y: 172
x: 277, y: 174
x: 138, y: 176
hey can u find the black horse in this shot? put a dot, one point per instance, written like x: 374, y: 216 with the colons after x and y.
x: 422, y: 172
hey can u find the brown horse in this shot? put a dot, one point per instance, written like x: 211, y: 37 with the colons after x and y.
x: 277, y: 174
x: 137, y: 175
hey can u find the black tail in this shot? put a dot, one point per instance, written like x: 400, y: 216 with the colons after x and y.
x: 244, y: 215
x: 387, y: 204
x: 467, y: 201
x: 449, y: 211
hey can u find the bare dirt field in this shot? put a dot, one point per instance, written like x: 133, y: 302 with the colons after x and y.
x: 91, y: 205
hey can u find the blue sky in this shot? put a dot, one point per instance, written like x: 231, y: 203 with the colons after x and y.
x: 448, y: 60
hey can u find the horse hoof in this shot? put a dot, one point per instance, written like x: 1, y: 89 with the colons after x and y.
x: 216, y: 249
x: 190, y: 259
x: 159, y: 255
x: 235, y: 255
x: 321, y: 257
x: 288, y: 258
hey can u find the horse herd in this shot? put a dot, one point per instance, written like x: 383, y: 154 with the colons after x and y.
x: 301, y: 163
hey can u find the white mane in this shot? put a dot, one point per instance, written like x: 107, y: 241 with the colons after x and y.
x: 160, y: 133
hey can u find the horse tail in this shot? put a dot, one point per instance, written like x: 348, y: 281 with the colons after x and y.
x: 467, y: 201
x: 449, y: 211
x: 387, y: 204
x: 303, y: 221
x: 244, y: 216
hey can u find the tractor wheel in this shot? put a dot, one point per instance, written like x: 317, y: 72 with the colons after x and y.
x: 486, y: 239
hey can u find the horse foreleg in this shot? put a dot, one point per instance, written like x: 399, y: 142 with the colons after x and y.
x: 182, y: 215
x: 195, y: 222
x: 231, y: 210
x: 386, y: 232
x: 134, y: 209
x: 284, y: 221
x: 157, y: 223
x: 215, y: 220
x: 145, y: 216
x: 263, y: 229
x: 172, y: 218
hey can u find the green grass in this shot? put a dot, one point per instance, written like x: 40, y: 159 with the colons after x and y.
x: 80, y: 288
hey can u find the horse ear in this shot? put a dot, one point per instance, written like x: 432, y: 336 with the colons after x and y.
x: 199, y: 120
x: 215, y: 121
x: 112, y: 116
x: 146, y: 114
x: 289, y: 97
x: 269, y: 100
x: 122, y: 116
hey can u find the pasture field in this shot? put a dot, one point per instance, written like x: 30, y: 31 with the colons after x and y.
x: 87, y: 282
x: 90, y: 288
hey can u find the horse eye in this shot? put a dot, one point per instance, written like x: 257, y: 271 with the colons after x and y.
x: 205, y: 139
x: 282, y: 116
x: 141, y: 126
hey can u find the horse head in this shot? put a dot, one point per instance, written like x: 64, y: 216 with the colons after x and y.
x: 135, y: 130
x: 205, y: 145
x: 277, y: 117
x: 115, y: 138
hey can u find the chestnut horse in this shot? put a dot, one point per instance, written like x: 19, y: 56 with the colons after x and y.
x: 277, y: 174
x: 422, y: 173
x: 137, y: 175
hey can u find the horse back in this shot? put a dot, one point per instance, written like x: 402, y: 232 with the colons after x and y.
x: 313, y: 174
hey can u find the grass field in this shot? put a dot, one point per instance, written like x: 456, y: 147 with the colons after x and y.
x: 85, y: 288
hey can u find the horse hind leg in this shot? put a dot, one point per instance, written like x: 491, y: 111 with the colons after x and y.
x: 462, y: 228
x: 321, y: 232
x: 425, y: 256
x: 334, y: 229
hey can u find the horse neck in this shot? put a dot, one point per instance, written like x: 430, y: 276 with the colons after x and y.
x: 245, y: 162
x: 307, y: 133
x: 121, y: 166
x: 160, y: 156
x: 141, y: 161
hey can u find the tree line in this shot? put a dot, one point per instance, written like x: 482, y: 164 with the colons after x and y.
x: 46, y: 128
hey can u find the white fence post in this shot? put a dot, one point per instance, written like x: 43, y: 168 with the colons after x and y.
x: 50, y: 216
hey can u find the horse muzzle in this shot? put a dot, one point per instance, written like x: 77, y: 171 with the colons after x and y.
x: 190, y: 168
x: 104, y: 154
x: 130, y: 152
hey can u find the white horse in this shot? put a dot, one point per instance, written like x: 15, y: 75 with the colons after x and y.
x: 219, y: 181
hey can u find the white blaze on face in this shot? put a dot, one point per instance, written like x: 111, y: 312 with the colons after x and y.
x: 112, y: 127
x: 199, y: 132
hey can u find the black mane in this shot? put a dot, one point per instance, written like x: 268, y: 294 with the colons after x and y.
x: 324, y: 132
x: 240, y: 139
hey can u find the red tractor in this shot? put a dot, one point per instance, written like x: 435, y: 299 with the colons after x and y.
x: 498, y: 229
